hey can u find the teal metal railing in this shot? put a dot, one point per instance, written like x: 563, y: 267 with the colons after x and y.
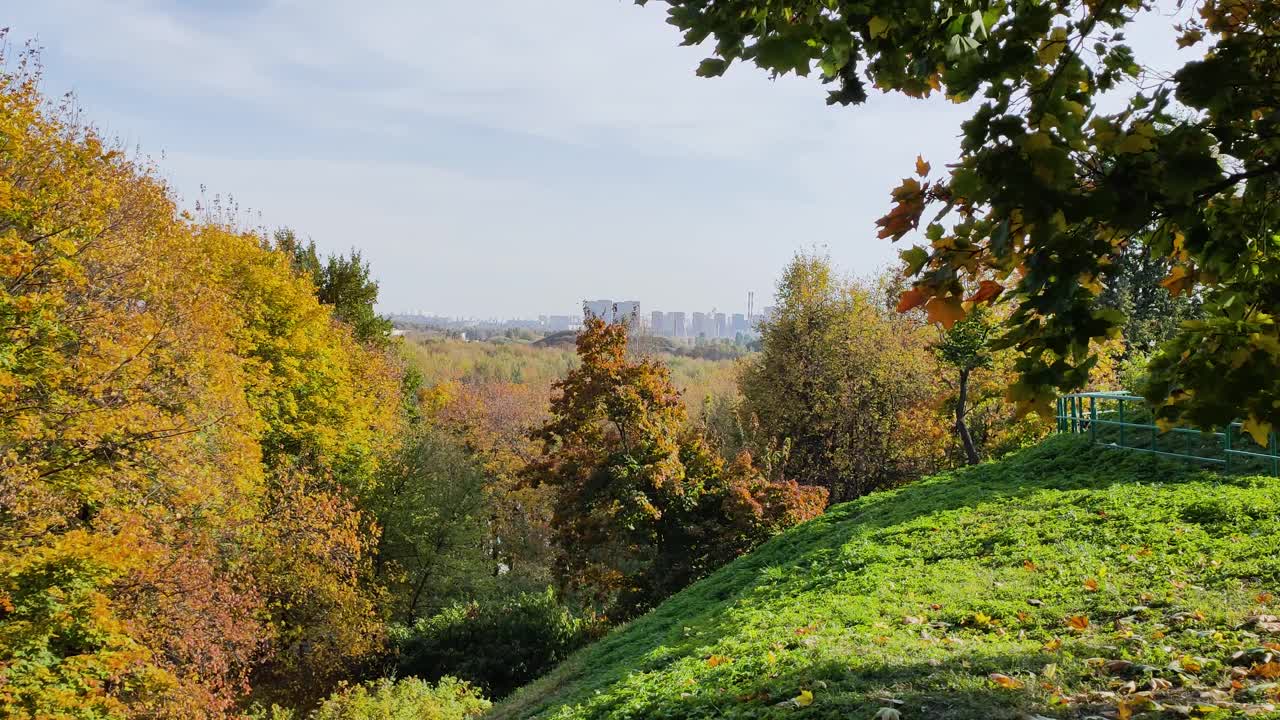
x: 1121, y: 420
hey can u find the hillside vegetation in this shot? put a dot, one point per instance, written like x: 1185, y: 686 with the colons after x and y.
x: 1065, y: 581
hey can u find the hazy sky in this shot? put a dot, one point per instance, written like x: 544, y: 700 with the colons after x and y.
x: 505, y: 158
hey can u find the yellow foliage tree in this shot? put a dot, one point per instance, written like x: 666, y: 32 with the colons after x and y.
x: 184, y: 432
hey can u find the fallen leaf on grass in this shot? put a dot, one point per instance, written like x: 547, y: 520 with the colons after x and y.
x: 717, y: 660
x: 1005, y: 681
x: 1091, y: 585
x: 1270, y: 670
x: 804, y: 699
x: 1079, y: 623
x: 1190, y: 664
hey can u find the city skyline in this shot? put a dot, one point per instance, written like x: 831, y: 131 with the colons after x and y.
x: 576, y: 310
x: 680, y: 324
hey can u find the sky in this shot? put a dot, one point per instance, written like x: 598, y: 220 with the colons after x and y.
x: 504, y: 162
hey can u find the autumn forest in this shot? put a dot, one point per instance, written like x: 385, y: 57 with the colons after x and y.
x: 231, y: 488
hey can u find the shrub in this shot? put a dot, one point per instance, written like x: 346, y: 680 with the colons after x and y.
x: 499, y: 646
x: 406, y: 699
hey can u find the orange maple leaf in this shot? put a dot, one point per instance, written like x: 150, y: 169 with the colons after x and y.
x: 946, y: 310
x: 1266, y: 670
x: 1005, y: 681
x: 1180, y: 280
x: 910, y: 300
x: 987, y: 290
x: 1079, y: 623
x: 922, y: 167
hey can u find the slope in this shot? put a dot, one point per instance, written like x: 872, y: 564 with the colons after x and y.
x: 1065, y: 581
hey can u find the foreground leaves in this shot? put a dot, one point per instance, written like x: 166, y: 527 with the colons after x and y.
x: 1052, y: 187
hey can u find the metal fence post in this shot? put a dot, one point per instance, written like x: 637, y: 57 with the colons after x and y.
x: 1275, y: 456
x: 1122, y: 423
x: 1226, y: 441
x: 1093, y: 419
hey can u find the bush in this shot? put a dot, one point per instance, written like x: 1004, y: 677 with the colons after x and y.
x: 499, y: 646
x: 406, y: 699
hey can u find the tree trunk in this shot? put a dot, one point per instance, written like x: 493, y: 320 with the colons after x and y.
x: 970, y: 452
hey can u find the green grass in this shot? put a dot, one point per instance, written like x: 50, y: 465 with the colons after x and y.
x: 912, y: 599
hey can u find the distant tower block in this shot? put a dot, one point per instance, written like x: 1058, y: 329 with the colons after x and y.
x: 601, y: 309
x: 627, y: 311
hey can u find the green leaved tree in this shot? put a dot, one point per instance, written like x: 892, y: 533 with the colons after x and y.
x: 967, y: 347
x: 841, y: 378
x: 342, y: 282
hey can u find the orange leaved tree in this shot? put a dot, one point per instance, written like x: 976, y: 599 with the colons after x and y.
x: 643, y: 506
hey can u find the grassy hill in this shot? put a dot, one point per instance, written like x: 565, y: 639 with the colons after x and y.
x: 1067, y: 581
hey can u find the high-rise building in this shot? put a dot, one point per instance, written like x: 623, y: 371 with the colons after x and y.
x: 677, y: 324
x: 700, y: 326
x: 740, y: 323
x: 627, y: 311
x: 656, y: 323
x: 722, y: 327
x: 602, y: 309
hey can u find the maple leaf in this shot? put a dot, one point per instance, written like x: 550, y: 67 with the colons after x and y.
x: 1079, y: 623
x: 1053, y: 644
x: 945, y: 310
x: 1029, y: 566
x: 1091, y: 585
x: 1189, y: 38
x: 987, y: 290
x: 910, y: 300
x: 1005, y: 681
x: 1180, y: 280
x: 905, y: 215
x: 1259, y: 430
x: 717, y: 660
x: 804, y: 699
x: 1270, y: 670
x: 922, y: 167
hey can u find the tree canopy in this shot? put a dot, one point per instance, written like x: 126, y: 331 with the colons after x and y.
x: 1051, y: 187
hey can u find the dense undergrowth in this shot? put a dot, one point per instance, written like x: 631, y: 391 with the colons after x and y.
x: 1064, y: 581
